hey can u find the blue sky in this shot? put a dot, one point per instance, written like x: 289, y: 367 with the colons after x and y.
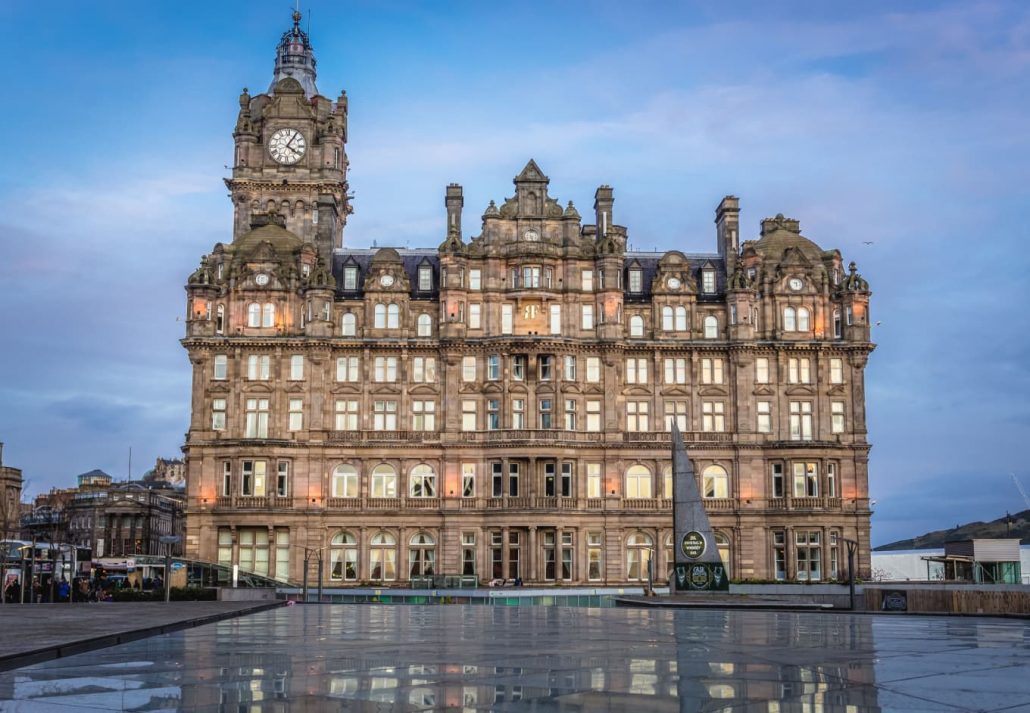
x: 906, y: 128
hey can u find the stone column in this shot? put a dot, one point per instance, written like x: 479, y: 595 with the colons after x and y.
x: 504, y: 552
x: 531, y: 556
x: 364, y: 568
x: 558, y: 549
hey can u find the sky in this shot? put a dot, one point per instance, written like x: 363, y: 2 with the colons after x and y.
x: 896, y: 132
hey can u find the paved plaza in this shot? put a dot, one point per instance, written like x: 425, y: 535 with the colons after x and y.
x: 482, y: 658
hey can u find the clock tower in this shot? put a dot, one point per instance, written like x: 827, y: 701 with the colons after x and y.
x: 290, y: 151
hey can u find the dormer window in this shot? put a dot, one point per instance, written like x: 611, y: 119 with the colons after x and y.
x: 425, y: 278
x: 305, y: 270
x: 635, y: 280
x: 350, y: 278
x: 220, y: 270
x: 708, y: 281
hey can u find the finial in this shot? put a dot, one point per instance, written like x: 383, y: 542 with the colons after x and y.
x: 296, y: 15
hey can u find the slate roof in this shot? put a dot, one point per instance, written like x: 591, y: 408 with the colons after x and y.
x: 649, y: 266
x: 411, y: 258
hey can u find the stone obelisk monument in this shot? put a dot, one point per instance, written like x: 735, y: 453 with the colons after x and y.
x: 699, y: 567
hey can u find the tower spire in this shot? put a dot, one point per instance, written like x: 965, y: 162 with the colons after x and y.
x: 295, y: 58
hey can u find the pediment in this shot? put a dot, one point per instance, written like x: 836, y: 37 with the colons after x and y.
x: 678, y: 390
x: 837, y: 390
x: 518, y: 388
x: 219, y: 387
x: 571, y: 387
x: 257, y: 388
x: 345, y: 388
x: 385, y: 390
x: 636, y: 391
x: 427, y: 389
x: 531, y: 172
x: 492, y: 387
x: 294, y: 387
x: 764, y: 390
x: 800, y: 390
x: 593, y: 389
x: 545, y: 388
x: 712, y: 391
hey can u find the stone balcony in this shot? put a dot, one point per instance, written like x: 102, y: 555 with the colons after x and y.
x: 805, y: 503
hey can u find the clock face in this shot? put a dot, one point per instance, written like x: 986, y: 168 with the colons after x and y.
x: 386, y: 280
x: 531, y: 235
x: 796, y: 283
x: 261, y: 279
x: 673, y: 283
x: 286, y: 146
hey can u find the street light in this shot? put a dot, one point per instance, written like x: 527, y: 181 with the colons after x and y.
x: 168, y: 541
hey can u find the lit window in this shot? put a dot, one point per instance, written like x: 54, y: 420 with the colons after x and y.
x: 799, y: 370
x: 385, y: 369
x: 637, y: 416
x: 675, y: 371
x: 423, y: 370
x: 800, y: 420
x: 507, y: 319
x: 593, y: 416
x: 711, y: 371
x: 555, y: 319
x: 715, y: 482
x: 587, y: 317
x: 346, y: 415
x: 468, y: 415
x: 762, y: 370
x: 349, y: 324
x: 636, y: 326
x: 475, y: 280
x: 384, y: 483
x: 345, y: 482
x: 423, y: 415
x: 257, y: 418
x: 296, y: 415
x: 384, y: 415
x: 221, y: 367
x: 837, y: 416
x: 636, y: 371
x: 587, y: 280
x: 253, y: 315
x: 252, y: 479
x: 347, y: 369
x: 711, y: 327
x: 475, y: 316
x: 468, y: 368
x: 594, y: 480
x: 676, y: 412
x: 836, y: 371
x: 424, y: 325
x: 296, y: 367
x: 638, y: 482
x: 713, y: 416
x: 593, y: 370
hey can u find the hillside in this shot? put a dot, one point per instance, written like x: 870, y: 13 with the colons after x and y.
x: 1020, y: 527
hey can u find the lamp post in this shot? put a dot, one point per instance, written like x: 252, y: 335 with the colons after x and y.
x: 168, y: 541
x: 852, y: 546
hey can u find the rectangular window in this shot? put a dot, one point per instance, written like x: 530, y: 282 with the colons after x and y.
x: 350, y: 278
x: 711, y: 371
x: 777, y: 480
x: 513, y: 481
x: 762, y: 370
x: 475, y: 279
x: 518, y: 367
x: 258, y: 367
x: 493, y: 414
x: 555, y: 319
x: 593, y: 370
x: 468, y: 477
x: 496, y: 480
x: 676, y: 412
x: 221, y: 367
x: 831, y: 480
x: 799, y: 370
x: 570, y: 414
x: 733, y: 314
x: 296, y: 415
x: 257, y: 418
x: 764, y: 417
x: 252, y: 479
x: 475, y: 316
x: 594, y: 557
x: 780, y: 554
x: 570, y: 367
x: 423, y: 370
x: 837, y: 416
x: 282, y: 479
x: 423, y: 415
x: 384, y: 415
x: 468, y: 415
x: 385, y: 369
x: 836, y: 371
x: 506, y: 319
x: 635, y: 281
x: 594, y: 480
x: 593, y: 416
x: 806, y: 480
x: 549, y: 480
x: 588, y: 317
x: 713, y: 416
x: 226, y: 479
x: 493, y: 367
x: 586, y: 280
x: 425, y: 279
x: 636, y: 416
x: 545, y: 367
x: 545, y: 413
x: 636, y: 371
x: 218, y: 414
x: 809, y: 555
x: 834, y: 555
x: 468, y: 368
x: 518, y: 413
x: 800, y: 420
x: 530, y: 276
x: 850, y: 314
x: 675, y: 371
x: 347, y: 369
x: 566, y: 480
x: 708, y: 281
x: 346, y: 415
x: 296, y: 367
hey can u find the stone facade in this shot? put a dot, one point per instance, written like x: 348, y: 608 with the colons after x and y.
x: 10, y: 500
x: 499, y: 406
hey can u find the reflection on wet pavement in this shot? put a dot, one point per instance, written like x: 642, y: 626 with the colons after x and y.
x: 473, y: 658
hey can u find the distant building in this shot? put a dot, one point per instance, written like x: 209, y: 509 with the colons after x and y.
x: 168, y: 470
x: 10, y: 499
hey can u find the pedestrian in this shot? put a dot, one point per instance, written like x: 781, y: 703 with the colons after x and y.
x: 64, y: 590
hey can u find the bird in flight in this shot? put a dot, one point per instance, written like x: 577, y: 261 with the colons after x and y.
x: 867, y: 242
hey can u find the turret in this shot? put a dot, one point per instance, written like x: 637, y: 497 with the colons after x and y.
x: 727, y: 229
x: 454, y: 202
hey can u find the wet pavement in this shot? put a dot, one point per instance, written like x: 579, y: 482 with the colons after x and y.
x: 476, y: 658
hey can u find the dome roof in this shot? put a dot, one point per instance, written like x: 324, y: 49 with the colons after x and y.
x: 780, y: 234
x: 281, y: 239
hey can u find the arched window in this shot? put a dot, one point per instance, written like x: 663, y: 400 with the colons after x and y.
x: 380, y: 318
x: 681, y: 319
x: 268, y: 315
x: 393, y: 317
x: 422, y: 555
x: 722, y: 543
x: 667, y: 323
x: 837, y: 331
x: 384, y: 481
x: 636, y: 326
x: 804, y: 323
x: 667, y: 482
x: 790, y: 323
x: 638, y: 482
x: 425, y: 325
x: 253, y: 315
x: 349, y: 324
x: 382, y: 553
x: 345, y: 481
x: 715, y: 482
x: 422, y: 482
x: 711, y: 327
x: 638, y: 555
x: 343, y: 557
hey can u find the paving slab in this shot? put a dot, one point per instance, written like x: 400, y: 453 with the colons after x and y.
x: 37, y: 632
